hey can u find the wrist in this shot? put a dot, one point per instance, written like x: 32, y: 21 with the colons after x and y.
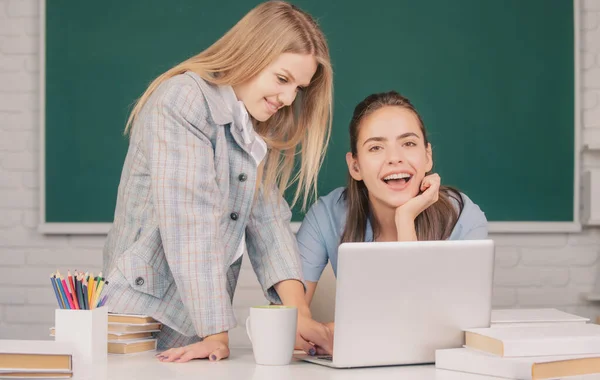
x: 403, y: 220
x: 222, y: 337
x: 291, y: 293
x: 304, y: 311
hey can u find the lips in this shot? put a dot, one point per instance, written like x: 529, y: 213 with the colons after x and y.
x: 397, y: 181
x: 272, y: 107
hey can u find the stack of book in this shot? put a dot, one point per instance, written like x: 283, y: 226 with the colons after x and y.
x: 130, y: 333
x: 528, y: 344
x: 35, y: 359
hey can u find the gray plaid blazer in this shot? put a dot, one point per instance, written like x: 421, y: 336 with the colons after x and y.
x: 186, y: 196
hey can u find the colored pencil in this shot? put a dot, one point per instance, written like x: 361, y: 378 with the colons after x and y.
x: 73, y: 290
x: 62, y: 292
x: 98, y: 293
x: 67, y: 293
x: 55, y: 291
x: 90, y: 280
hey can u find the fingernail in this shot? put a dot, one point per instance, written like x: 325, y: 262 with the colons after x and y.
x: 213, y: 357
x: 312, y: 352
x: 159, y: 354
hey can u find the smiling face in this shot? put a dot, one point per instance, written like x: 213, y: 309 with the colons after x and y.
x: 392, y: 157
x: 277, y: 85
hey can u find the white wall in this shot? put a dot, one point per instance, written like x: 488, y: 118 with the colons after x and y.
x: 532, y: 270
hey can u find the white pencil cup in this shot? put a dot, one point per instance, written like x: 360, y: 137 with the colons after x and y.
x: 86, y: 331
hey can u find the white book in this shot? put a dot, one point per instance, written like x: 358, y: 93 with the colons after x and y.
x: 530, y: 368
x: 560, y: 339
x: 533, y: 317
x: 39, y: 347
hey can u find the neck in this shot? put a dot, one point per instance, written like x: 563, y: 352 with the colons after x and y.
x: 384, y: 219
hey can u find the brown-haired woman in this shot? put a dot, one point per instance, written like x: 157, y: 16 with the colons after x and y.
x: 391, y: 193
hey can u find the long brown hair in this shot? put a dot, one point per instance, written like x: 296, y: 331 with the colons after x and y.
x: 435, y: 223
x: 267, y: 31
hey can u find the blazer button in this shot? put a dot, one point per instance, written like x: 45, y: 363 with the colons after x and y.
x: 139, y: 281
x: 234, y: 216
x: 242, y: 177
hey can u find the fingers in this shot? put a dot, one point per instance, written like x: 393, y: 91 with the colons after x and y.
x: 320, y: 336
x: 305, y: 346
x: 432, y: 180
x: 171, y: 354
x: 218, y: 354
x: 186, y: 357
x: 213, y: 350
x: 321, y: 351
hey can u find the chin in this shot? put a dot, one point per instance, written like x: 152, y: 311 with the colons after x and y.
x: 261, y: 117
x: 399, y: 201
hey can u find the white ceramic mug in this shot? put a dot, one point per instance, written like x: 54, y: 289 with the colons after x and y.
x: 272, y: 331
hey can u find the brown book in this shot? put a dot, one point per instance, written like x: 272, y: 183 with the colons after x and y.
x: 126, y: 328
x: 132, y: 346
x: 31, y: 355
x: 527, y: 368
x: 40, y: 375
x: 121, y: 336
x: 35, y: 361
x: 137, y: 336
x: 130, y: 318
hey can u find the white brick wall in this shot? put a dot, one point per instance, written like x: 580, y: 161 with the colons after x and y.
x: 531, y: 270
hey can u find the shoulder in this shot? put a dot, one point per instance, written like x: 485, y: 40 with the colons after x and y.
x: 191, y: 97
x: 328, y: 212
x: 332, y: 204
x: 470, y: 209
x: 471, y: 217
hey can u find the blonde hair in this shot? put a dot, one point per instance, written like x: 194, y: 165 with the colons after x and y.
x: 267, y: 31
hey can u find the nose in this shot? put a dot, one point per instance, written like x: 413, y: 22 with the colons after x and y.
x: 395, y: 156
x: 287, y: 97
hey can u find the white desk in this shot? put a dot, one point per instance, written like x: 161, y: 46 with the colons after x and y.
x: 241, y: 366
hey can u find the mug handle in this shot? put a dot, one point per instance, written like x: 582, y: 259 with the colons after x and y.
x: 248, y: 329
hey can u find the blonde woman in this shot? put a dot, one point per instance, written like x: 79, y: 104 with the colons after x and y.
x: 212, y: 147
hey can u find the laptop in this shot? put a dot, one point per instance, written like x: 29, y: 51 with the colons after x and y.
x: 398, y: 302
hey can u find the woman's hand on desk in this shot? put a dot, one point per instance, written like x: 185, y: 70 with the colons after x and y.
x: 214, y: 347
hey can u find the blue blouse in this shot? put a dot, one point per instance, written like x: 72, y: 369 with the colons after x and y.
x: 320, y: 233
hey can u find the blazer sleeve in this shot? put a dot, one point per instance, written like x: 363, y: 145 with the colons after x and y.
x: 188, y: 203
x: 272, y: 247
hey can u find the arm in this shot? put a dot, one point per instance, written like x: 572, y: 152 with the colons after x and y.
x: 274, y: 255
x: 408, y: 212
x: 188, y: 204
x: 312, y: 246
x: 311, y: 287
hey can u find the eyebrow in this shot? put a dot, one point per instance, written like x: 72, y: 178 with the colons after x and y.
x: 292, y: 77
x: 402, y: 136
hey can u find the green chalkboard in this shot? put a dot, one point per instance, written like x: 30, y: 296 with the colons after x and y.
x: 493, y: 80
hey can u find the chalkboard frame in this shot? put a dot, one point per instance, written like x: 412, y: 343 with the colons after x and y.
x: 575, y: 225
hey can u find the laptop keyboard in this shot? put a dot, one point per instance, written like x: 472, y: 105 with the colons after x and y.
x: 327, y: 358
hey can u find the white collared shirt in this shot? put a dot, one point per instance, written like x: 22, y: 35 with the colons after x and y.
x: 253, y: 143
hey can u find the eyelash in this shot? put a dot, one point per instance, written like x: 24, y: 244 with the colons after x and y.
x: 284, y: 80
x: 376, y: 148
